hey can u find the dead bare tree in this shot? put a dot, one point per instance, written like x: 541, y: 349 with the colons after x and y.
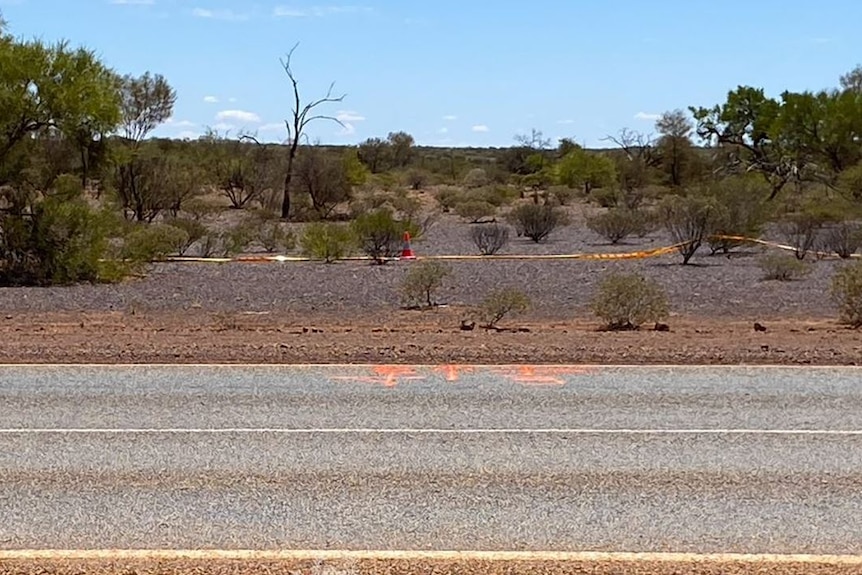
x: 301, y: 116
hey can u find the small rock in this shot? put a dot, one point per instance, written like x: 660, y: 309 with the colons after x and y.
x: 662, y: 327
x: 764, y: 348
x: 467, y: 325
x: 759, y: 327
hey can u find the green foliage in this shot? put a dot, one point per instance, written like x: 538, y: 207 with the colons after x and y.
x: 194, y: 229
x: 448, y: 197
x: 476, y: 178
x: 475, y: 211
x: 151, y: 242
x: 327, y: 241
x: 489, y: 238
x: 781, y: 267
x: 273, y: 236
x: 237, y: 238
x: 421, y: 283
x: 54, y: 241
x: 536, y: 221
x: 585, y: 170
x: 617, y: 224
x: 564, y: 195
x: 741, y: 211
x: 627, y: 301
x: 380, y: 234
x: 502, y: 303
x: 688, y: 220
x: 847, y: 294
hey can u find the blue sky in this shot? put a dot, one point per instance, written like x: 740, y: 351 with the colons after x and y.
x: 456, y: 73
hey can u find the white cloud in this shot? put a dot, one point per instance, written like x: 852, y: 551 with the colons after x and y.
x: 210, y: 99
x: 272, y: 127
x: 646, y: 116
x: 348, y: 118
x: 450, y: 117
x: 226, y: 14
x: 180, y: 123
x: 317, y: 11
x: 237, y: 115
x: 480, y: 128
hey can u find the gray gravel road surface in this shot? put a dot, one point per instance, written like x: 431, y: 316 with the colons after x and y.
x: 760, y: 460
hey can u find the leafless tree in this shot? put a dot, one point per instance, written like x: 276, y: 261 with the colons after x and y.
x: 301, y: 116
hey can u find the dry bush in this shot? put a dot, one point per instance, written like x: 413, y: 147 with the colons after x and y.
x: 476, y: 211
x: 842, y: 239
x: 380, y: 234
x: 273, y: 236
x: 422, y: 282
x: 847, y: 294
x: 448, y: 197
x: 617, y: 224
x: 688, y: 220
x: 782, y: 267
x: 536, y: 221
x: 563, y: 195
x: 627, y: 301
x: 502, y: 303
x: 802, y: 230
x: 489, y: 238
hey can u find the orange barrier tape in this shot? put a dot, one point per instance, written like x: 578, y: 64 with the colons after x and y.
x: 642, y: 254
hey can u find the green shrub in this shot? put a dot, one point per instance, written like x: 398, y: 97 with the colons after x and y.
x: 616, y: 224
x: 627, y: 301
x: 55, y: 241
x: 195, y: 231
x: 327, y: 241
x: 448, y: 197
x: 274, y: 237
x: 781, y: 267
x: 236, y: 239
x: 847, y: 294
x: 606, y: 197
x: 476, y: 178
x: 536, y: 221
x: 151, y: 242
x: 380, y: 234
x: 423, y: 280
x: 489, y: 238
x: 741, y: 212
x: 501, y: 303
x: 475, y: 211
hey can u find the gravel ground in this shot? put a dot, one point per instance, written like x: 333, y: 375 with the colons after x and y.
x: 401, y: 567
x: 713, y: 287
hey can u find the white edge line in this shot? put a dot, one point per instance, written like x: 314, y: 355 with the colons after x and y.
x: 688, y: 366
x: 420, y: 431
x: 330, y: 554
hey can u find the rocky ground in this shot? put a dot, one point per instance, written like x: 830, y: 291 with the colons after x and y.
x: 351, y: 312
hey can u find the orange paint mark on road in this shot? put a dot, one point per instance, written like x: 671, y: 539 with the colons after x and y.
x: 542, y: 375
x: 453, y: 372
x: 386, y: 375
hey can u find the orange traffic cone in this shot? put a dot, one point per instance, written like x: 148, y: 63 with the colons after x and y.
x: 407, y: 251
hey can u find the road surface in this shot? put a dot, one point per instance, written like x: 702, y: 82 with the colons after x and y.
x: 652, y: 459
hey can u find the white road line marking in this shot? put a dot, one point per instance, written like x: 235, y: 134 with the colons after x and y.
x: 335, y: 555
x: 421, y: 431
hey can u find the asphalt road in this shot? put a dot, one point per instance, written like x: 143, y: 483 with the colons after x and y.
x: 754, y: 460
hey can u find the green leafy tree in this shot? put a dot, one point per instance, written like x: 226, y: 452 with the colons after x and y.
x: 675, y: 150
x: 585, y: 170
